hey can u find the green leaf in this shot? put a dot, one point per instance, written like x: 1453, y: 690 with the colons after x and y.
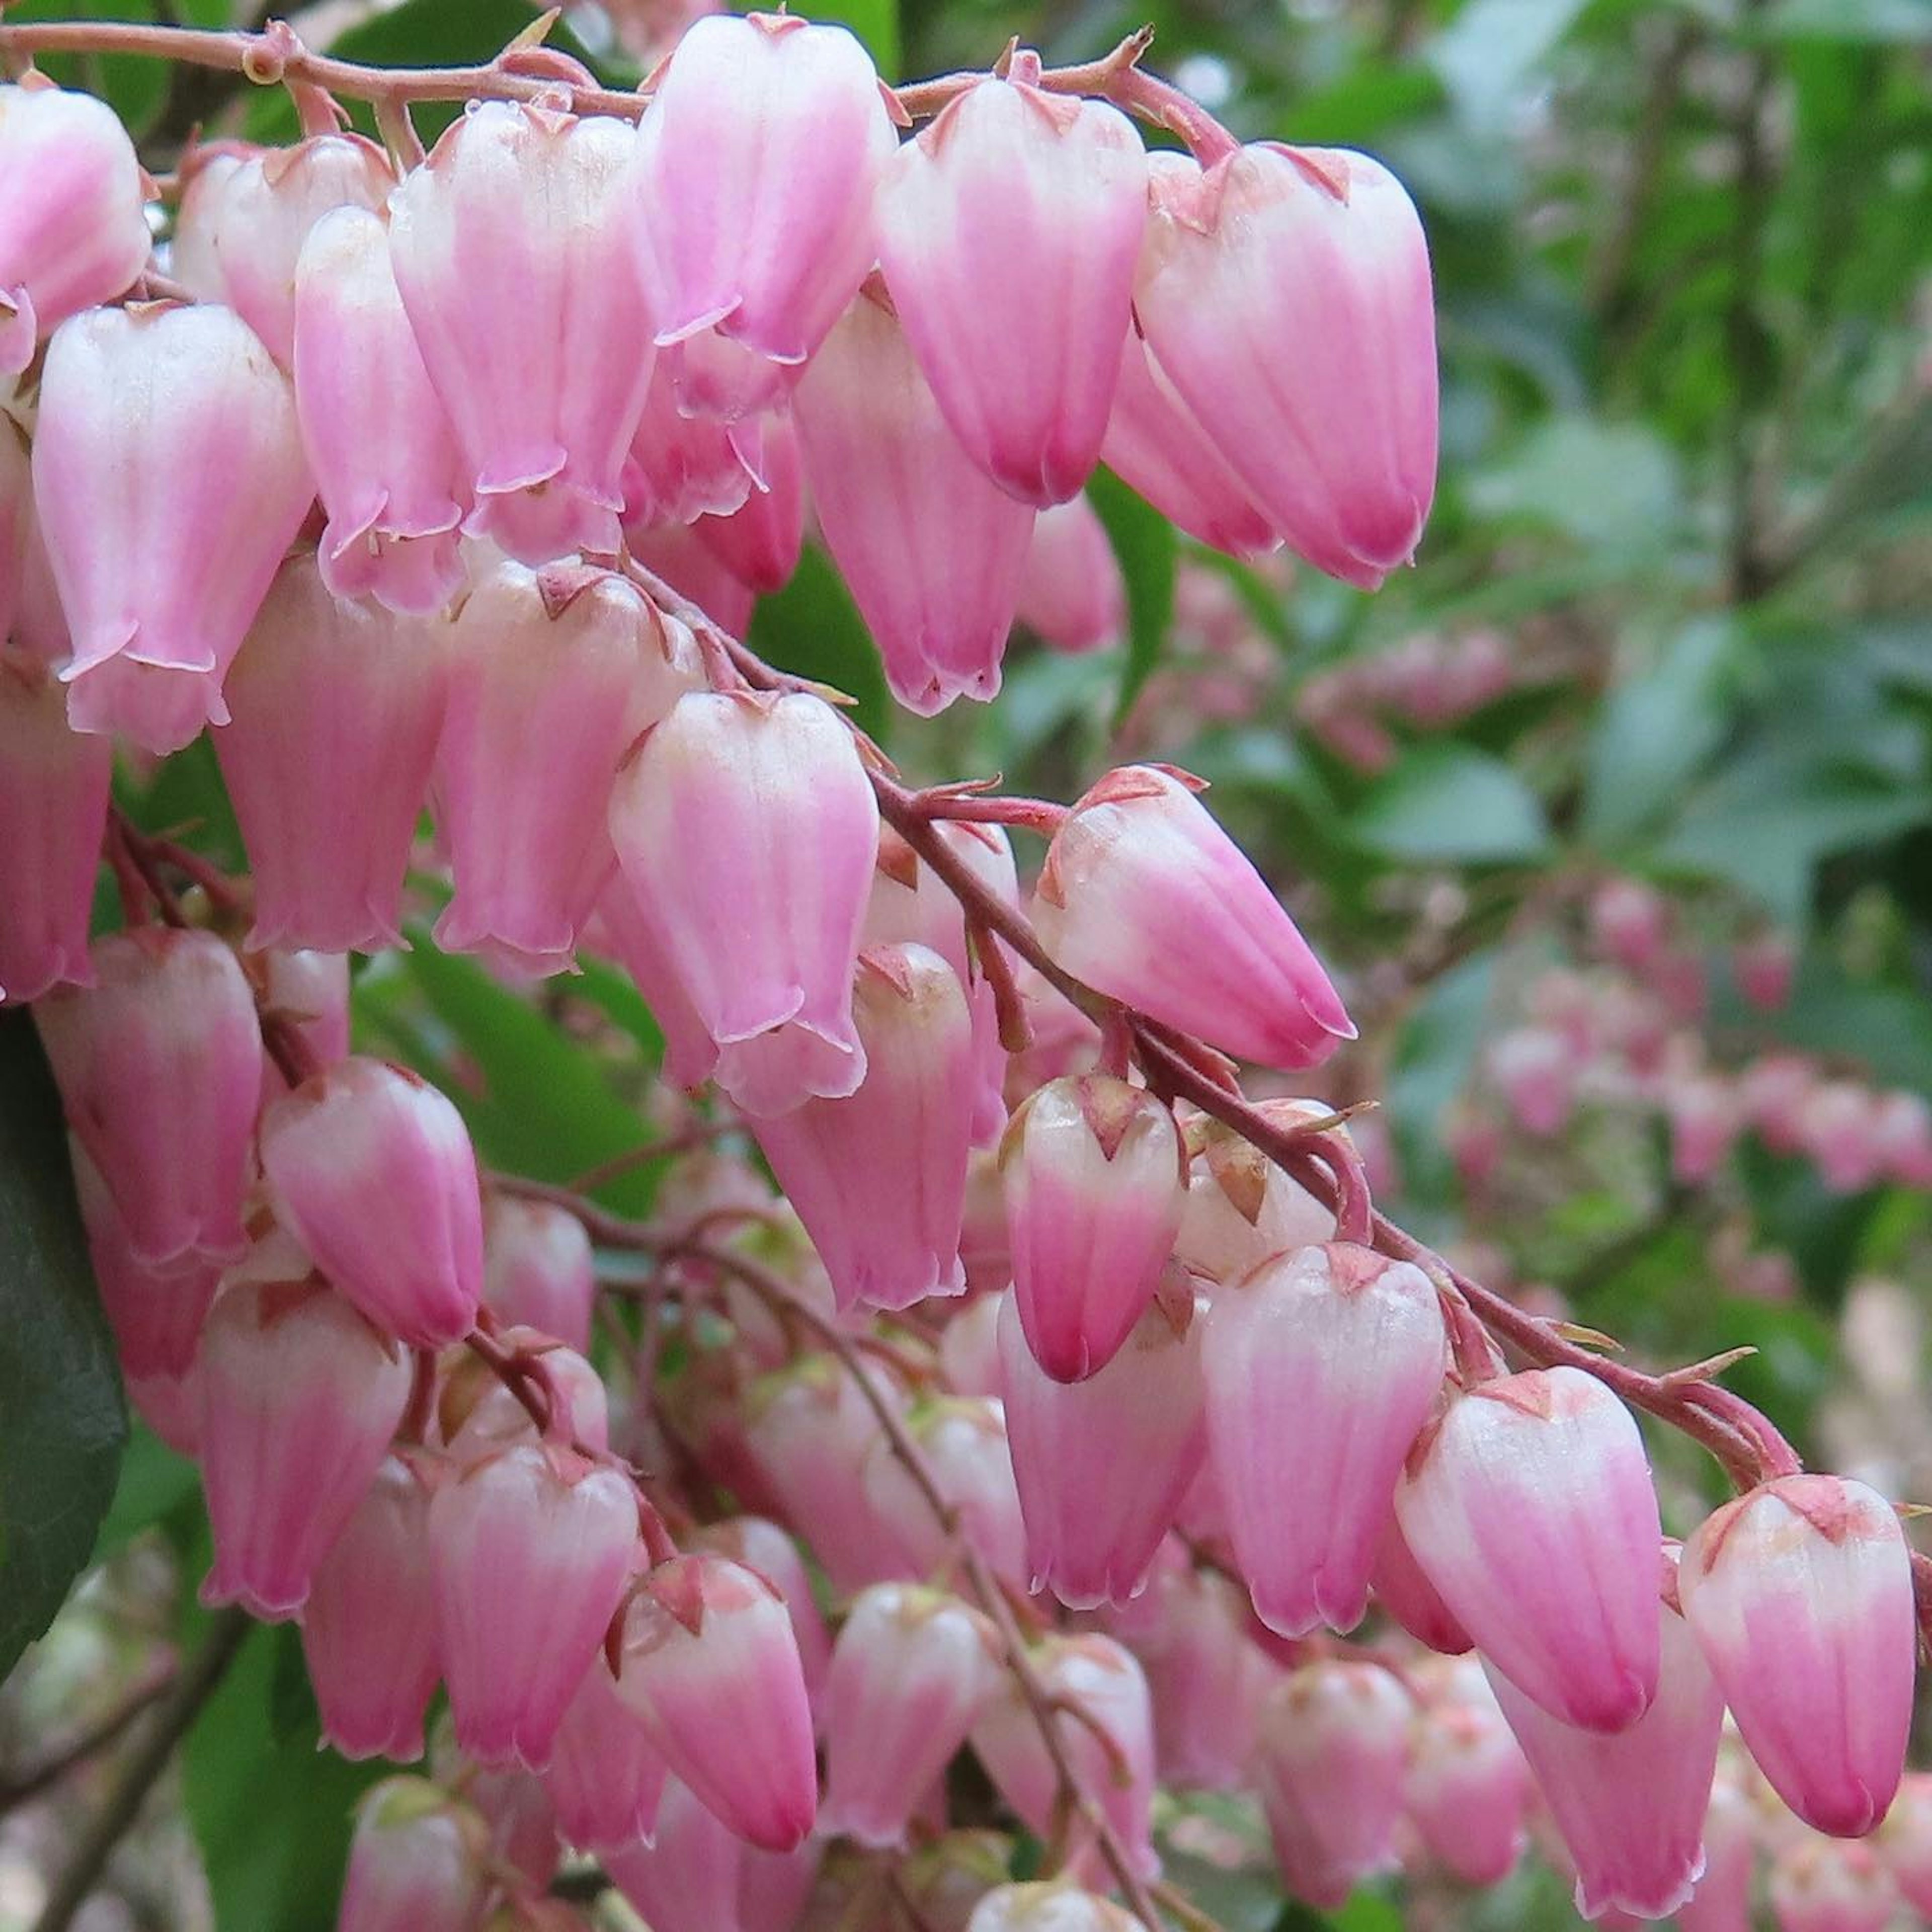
x: 1145, y: 542
x: 1607, y: 485
x: 1434, y: 1056
x: 1490, y: 51
x: 813, y: 629
x: 155, y: 1482
x: 1909, y: 23
x: 1445, y: 803
x: 61, y: 1424
x: 134, y: 87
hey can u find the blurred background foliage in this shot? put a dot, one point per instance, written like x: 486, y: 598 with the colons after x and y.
x: 1672, y: 622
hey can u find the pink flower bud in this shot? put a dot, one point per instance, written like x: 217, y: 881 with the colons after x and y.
x: 168, y: 479
x: 1535, y: 1070
x: 605, y: 1776
x: 1630, y: 1808
x: 1139, y: 861
x: 160, y: 1067
x: 1530, y: 1508
x: 73, y: 231
x: 553, y: 675
x: 479, y: 1415
x: 763, y: 1546
x: 506, y: 250
x: 910, y: 1672
x: 415, y: 1864
x: 1094, y: 1676
x: 537, y: 1269
x: 1322, y: 247
x: 1334, y: 1745
x: 368, y: 1629
x: 1630, y: 922
x: 1095, y: 1177
x: 1765, y: 966
x: 757, y: 166
x: 299, y: 1398
x: 963, y: 1441
x: 1904, y: 1841
x: 239, y: 240
x: 1467, y: 1790
x: 710, y: 1663
x: 1092, y: 1528
x: 626, y: 927
x: 1008, y: 231
x: 513, y: 1804
x: 309, y: 990
x: 529, y: 1550
x: 156, y: 1313
x: 53, y: 802
x: 1321, y: 1367
x: 707, y: 819
x: 1055, y: 1906
x: 372, y: 1169
x: 1703, y: 1112
x: 1071, y: 593
x: 879, y: 1178
x: 1839, y: 1129
x: 1242, y: 1209
x: 1800, y: 1594
x: 1207, y: 1681
x: 932, y: 550
x: 1720, y: 1901
x: 1818, y: 1886
x: 1402, y: 1591
x: 696, y: 1876
x: 378, y: 438
x: 1902, y: 1129
x: 336, y: 710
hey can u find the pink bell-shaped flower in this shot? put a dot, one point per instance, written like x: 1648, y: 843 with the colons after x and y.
x: 372, y: 1169
x: 626, y: 927
x: 1139, y: 861
x: 529, y: 1550
x: 1819, y: 1886
x: 1092, y: 1530
x: 1402, y: 1592
x: 299, y: 1398
x: 1630, y: 1808
x: 963, y: 1440
x: 1530, y: 1508
x: 932, y: 550
x: 1206, y: 1679
x: 1904, y: 1841
x: 1095, y: 1177
x: 379, y: 440
x: 478, y: 1415
x: 1467, y: 1789
x: 910, y: 1672
x: 156, y: 1313
x: 1242, y: 1209
x: 1008, y: 230
x: 553, y: 675
x: 537, y: 1269
x: 1334, y: 1749
x: 1100, y: 1680
x: 757, y: 162
x: 695, y: 1876
x: 336, y: 710
x: 1720, y: 1901
x: 710, y: 1663
x: 159, y: 1064
x: 732, y: 808
x: 416, y: 1863
x: 168, y: 479
x: 511, y: 1801
x: 368, y: 1629
x: 53, y: 801
x: 683, y: 466
x: 1800, y: 1594
x: 1056, y: 1906
x: 762, y: 1545
x: 759, y: 542
x: 1321, y: 247
x: 879, y: 1178
x: 506, y: 247
x: 605, y: 1776
x: 1321, y: 1367
x: 1073, y: 596
x: 240, y: 240
x: 73, y: 229
x: 310, y: 990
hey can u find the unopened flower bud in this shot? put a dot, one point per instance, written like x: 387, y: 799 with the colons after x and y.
x: 416, y: 1863
x: 537, y: 1271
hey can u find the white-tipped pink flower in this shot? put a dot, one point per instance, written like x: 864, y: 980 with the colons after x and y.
x: 1800, y: 1594
x: 761, y: 1545
x: 879, y: 1178
x: 605, y: 1776
x: 910, y: 1672
x: 1056, y: 1905
x: 710, y: 1663
x: 1333, y: 1748
x: 53, y: 802
x: 964, y: 1441
x: 553, y: 675
x: 1206, y: 1677
x: 378, y: 439
x: 750, y: 823
x: 1008, y: 230
x: 1402, y: 1592
x: 308, y: 990
x: 1321, y: 247
x: 759, y: 543
x: 299, y: 1398
x: 159, y: 1064
x: 1721, y: 1900
x: 681, y: 467
x: 626, y: 927
x: 1095, y: 1180
x: 1091, y: 1530
x: 372, y: 1169
x: 695, y: 1877
x: 1467, y: 1790
x: 1530, y: 1509
x: 1321, y: 1368
x: 506, y: 245
x: 1138, y: 864
x: 1242, y: 1209
x: 757, y: 166
x: 416, y: 1863
x: 1630, y: 1808
x: 537, y: 1268
x: 156, y: 1313
x: 932, y: 548
x: 336, y: 709
x: 368, y: 1629
x: 529, y: 1550
x: 1073, y: 595
x: 72, y: 230
x: 169, y: 478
